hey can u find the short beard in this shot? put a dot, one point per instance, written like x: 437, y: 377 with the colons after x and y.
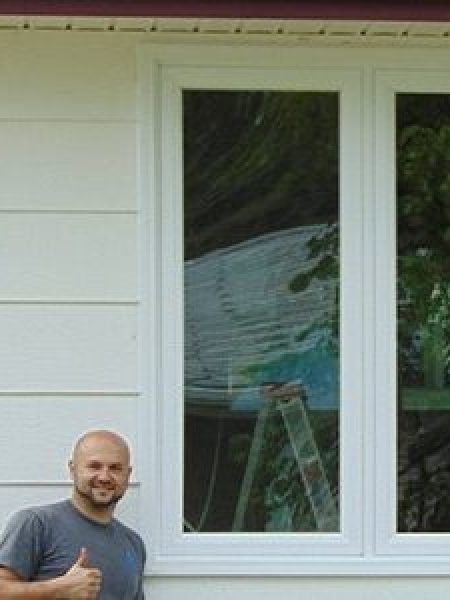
x: 114, y: 500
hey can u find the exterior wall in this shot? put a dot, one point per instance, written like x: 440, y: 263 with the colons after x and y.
x: 69, y: 289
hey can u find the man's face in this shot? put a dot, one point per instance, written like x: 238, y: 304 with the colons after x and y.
x: 100, y: 471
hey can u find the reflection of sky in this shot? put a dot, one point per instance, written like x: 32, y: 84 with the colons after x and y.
x: 244, y: 327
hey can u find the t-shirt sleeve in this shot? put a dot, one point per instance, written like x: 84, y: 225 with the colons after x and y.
x: 20, y: 544
x: 140, y: 594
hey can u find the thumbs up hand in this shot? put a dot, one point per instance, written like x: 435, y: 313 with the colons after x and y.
x: 82, y: 560
x: 81, y: 582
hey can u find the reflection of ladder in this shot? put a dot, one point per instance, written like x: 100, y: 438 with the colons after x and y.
x: 289, y: 401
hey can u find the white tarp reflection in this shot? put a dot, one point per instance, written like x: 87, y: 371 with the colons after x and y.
x: 244, y: 326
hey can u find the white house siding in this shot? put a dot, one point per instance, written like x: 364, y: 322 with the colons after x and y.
x: 69, y: 290
x: 68, y: 258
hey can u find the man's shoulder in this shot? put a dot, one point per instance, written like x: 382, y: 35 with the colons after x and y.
x: 40, y: 512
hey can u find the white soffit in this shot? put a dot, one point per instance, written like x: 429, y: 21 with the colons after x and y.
x: 245, y: 30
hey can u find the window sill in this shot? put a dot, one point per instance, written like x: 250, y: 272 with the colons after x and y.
x: 285, y: 566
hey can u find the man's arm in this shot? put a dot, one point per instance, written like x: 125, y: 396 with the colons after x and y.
x: 13, y: 588
x: 79, y: 583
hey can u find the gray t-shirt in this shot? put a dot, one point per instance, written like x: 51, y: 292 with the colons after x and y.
x: 44, y: 542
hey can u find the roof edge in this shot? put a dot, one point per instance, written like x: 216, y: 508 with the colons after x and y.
x: 380, y: 10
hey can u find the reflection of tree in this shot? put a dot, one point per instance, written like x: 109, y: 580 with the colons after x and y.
x: 324, y: 250
x: 424, y: 477
x: 257, y: 162
x: 423, y: 168
x: 423, y: 207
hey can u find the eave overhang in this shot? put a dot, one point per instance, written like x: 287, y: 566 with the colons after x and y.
x: 373, y: 10
x: 319, y: 22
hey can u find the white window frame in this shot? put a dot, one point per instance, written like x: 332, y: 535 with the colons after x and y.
x: 240, y: 552
x: 368, y: 79
x: 389, y: 82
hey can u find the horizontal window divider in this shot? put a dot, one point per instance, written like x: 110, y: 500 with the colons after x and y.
x: 286, y: 565
x: 417, y: 544
x: 264, y: 544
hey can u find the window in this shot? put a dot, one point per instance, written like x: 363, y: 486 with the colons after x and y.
x: 412, y: 377
x: 423, y: 311
x: 261, y: 311
x: 300, y: 373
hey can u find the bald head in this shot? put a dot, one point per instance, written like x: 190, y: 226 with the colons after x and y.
x: 100, y: 470
x: 100, y: 437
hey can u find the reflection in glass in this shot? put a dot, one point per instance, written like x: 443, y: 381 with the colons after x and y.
x: 423, y: 304
x: 261, y: 332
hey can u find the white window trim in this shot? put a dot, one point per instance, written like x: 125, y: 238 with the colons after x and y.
x: 389, y: 82
x: 372, y: 548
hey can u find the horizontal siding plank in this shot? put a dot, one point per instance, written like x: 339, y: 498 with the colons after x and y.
x: 14, y: 497
x: 68, y: 256
x: 88, y: 76
x: 50, y: 425
x: 64, y: 347
x: 67, y: 165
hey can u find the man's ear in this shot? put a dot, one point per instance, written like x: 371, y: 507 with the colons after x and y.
x: 71, y: 468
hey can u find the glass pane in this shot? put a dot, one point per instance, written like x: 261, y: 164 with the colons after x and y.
x: 261, y: 339
x: 423, y: 292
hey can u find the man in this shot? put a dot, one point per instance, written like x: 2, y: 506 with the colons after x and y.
x: 76, y: 549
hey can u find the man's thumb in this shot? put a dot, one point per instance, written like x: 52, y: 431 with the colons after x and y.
x: 82, y: 560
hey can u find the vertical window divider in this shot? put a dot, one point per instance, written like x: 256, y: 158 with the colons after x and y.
x: 368, y: 308
x: 385, y: 342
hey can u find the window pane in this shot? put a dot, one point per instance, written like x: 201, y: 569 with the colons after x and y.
x: 261, y: 281
x: 423, y: 292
